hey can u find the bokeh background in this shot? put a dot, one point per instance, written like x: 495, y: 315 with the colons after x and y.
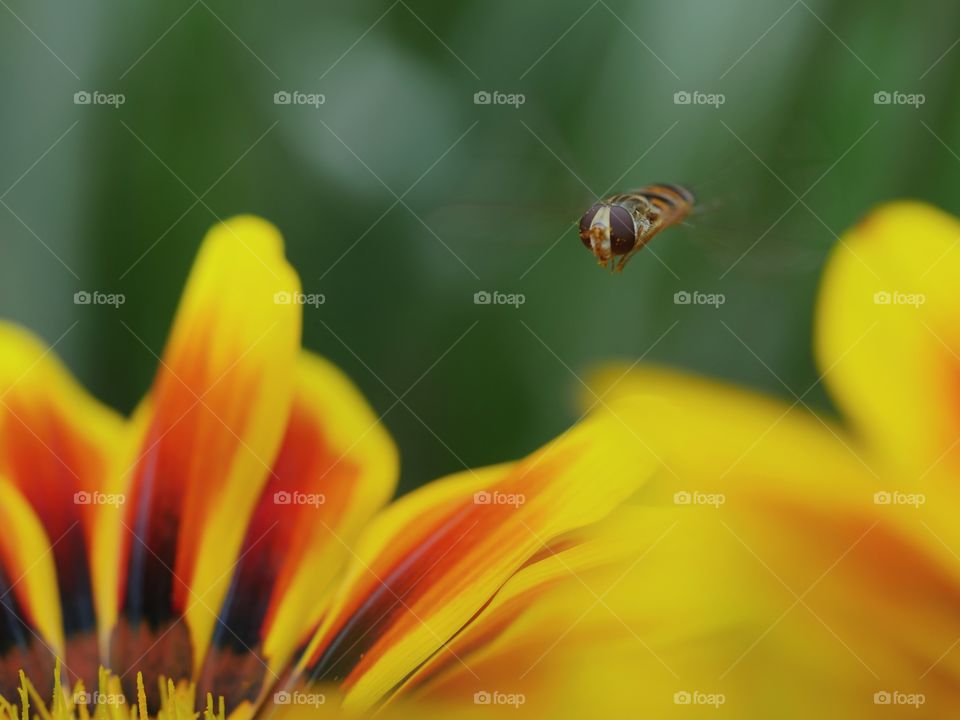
x: 400, y: 198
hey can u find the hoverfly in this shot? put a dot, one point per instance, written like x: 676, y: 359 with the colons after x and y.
x: 620, y: 225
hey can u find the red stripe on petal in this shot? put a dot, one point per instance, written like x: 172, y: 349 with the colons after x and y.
x: 416, y: 564
x: 308, y: 491
x: 205, y: 440
x: 46, y: 460
x: 194, y: 435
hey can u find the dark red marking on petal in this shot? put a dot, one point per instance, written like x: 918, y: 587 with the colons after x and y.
x: 56, y: 470
x: 186, y: 453
x: 279, y: 533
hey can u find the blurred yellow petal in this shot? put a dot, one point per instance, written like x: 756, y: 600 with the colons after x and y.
x: 665, y: 617
x: 888, y: 344
x: 730, y: 441
x: 803, y: 499
x: 888, y: 340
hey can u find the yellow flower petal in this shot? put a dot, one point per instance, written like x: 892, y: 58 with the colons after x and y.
x: 337, y: 466
x: 540, y: 587
x: 729, y: 441
x: 31, y: 633
x: 58, y: 446
x: 888, y: 340
x: 357, y: 479
x: 208, y: 437
x: 431, y: 561
x: 804, y: 544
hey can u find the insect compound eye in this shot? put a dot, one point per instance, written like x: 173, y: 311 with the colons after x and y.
x: 585, y: 223
x: 623, y: 235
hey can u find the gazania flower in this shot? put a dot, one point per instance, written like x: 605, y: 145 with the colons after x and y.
x: 688, y: 544
x: 232, y: 536
x: 843, y: 536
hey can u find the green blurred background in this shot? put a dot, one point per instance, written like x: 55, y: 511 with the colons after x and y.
x: 118, y: 199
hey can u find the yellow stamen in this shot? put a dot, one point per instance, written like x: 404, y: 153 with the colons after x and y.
x: 176, y: 701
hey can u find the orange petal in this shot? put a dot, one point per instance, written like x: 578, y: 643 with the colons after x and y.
x: 208, y: 436
x: 337, y: 466
x: 543, y: 583
x: 57, y: 445
x: 429, y: 563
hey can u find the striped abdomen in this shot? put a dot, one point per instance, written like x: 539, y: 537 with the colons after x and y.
x: 668, y: 204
